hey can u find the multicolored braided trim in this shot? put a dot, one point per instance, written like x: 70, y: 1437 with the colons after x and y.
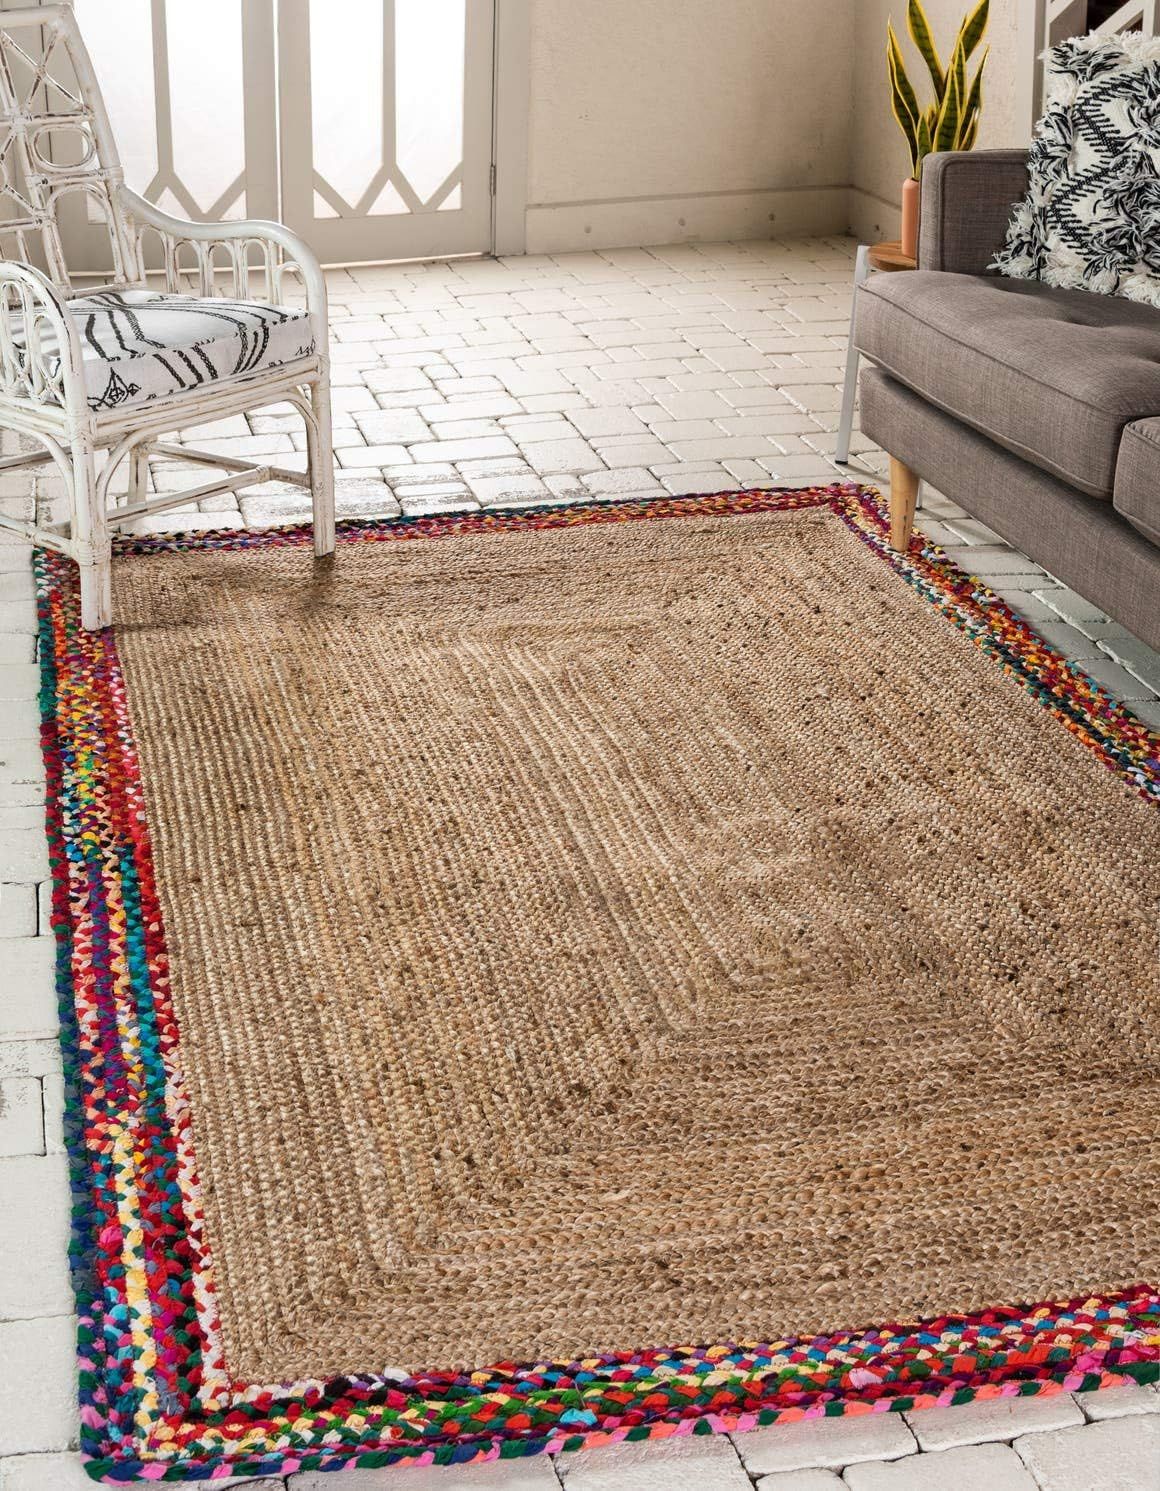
x: 157, y: 1402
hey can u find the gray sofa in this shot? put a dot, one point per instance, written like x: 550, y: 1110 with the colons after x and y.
x: 1037, y: 410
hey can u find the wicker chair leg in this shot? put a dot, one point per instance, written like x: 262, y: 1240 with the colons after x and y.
x: 320, y: 451
x: 139, y: 472
x: 96, y: 594
x: 91, y: 530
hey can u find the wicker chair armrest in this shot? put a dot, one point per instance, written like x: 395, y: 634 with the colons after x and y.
x: 40, y: 355
x: 228, y: 258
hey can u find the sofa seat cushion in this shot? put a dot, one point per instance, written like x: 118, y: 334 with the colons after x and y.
x: 1052, y: 375
x: 1137, y: 493
x: 140, y: 345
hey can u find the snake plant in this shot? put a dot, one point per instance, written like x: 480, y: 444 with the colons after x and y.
x: 952, y: 121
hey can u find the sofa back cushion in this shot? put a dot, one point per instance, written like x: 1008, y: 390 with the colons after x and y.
x: 1091, y: 217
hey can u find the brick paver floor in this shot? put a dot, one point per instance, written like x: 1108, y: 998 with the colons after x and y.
x: 491, y: 383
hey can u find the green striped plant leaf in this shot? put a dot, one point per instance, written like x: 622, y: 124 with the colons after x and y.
x: 947, y: 129
x: 900, y: 104
x: 898, y: 77
x: 974, y: 102
x: 973, y: 27
x: 921, y: 35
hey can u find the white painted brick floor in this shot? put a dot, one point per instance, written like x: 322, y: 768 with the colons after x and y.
x: 475, y: 384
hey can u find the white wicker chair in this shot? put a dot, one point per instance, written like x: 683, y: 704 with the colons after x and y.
x: 113, y: 369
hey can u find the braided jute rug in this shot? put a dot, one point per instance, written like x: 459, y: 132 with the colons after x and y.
x: 551, y: 977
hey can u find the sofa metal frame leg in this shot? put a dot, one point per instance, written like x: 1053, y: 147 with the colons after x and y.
x: 903, y: 497
x: 850, y: 386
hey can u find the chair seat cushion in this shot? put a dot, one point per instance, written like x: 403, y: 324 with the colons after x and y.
x: 1052, y: 375
x: 1137, y: 494
x: 138, y: 345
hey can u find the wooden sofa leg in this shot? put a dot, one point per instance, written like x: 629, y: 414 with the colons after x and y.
x: 903, y: 497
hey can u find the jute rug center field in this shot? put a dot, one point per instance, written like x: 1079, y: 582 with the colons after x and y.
x: 626, y: 935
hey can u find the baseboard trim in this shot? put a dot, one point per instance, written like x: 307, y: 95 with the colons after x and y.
x: 871, y: 219
x: 793, y: 212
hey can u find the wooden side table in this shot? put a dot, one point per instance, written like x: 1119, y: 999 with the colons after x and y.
x: 886, y: 258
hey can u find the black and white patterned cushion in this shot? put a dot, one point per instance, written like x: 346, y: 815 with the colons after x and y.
x: 1091, y: 216
x: 138, y: 345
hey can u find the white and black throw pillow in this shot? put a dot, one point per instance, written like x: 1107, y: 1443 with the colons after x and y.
x: 1091, y: 216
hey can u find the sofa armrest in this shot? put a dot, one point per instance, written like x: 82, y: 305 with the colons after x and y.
x: 967, y: 197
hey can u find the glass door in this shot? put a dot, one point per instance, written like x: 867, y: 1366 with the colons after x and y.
x: 386, y: 126
x: 365, y: 126
x: 191, y: 98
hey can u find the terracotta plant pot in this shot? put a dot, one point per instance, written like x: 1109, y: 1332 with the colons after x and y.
x: 910, y: 217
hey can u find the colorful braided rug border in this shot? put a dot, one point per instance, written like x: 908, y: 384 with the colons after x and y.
x: 156, y: 1401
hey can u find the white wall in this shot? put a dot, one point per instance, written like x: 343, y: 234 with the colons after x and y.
x: 879, y: 161
x: 653, y: 121
x: 660, y: 121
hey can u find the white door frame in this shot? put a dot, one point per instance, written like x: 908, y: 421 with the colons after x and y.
x: 511, y: 106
